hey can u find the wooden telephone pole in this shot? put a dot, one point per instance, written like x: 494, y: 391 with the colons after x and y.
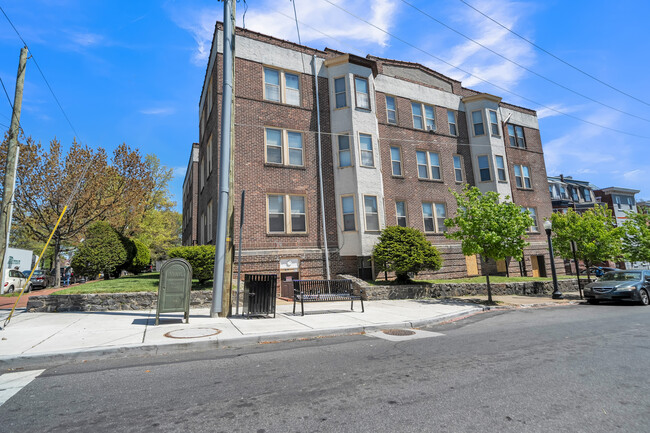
x: 9, y: 182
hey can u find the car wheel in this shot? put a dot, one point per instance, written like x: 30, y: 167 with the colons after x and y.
x: 10, y: 289
x: 643, y: 294
x: 29, y: 288
x: 593, y: 301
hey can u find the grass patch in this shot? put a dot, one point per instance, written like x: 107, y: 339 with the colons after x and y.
x: 134, y: 283
x: 493, y: 279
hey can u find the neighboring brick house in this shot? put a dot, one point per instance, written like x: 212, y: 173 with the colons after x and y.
x: 191, y: 198
x: 396, y: 137
x: 569, y: 193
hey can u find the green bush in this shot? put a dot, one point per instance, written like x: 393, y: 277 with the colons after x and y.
x: 200, y: 257
x: 101, y: 251
x: 404, y: 250
x: 141, y: 256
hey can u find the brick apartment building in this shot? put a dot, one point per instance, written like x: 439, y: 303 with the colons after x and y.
x: 191, y: 198
x: 396, y: 137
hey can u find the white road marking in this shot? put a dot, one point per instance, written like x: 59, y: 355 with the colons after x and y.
x: 417, y: 334
x: 11, y: 383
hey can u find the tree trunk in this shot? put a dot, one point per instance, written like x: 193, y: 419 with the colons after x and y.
x: 489, y: 289
x: 57, y: 267
x: 588, y: 274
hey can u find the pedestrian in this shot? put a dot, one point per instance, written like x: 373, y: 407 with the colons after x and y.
x: 67, y: 277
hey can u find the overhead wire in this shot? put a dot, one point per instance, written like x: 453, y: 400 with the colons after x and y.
x: 527, y: 69
x: 485, y: 80
x: 554, y: 56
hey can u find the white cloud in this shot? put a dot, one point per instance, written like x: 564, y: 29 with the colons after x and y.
x: 157, y: 111
x: 86, y: 39
x: 478, y: 63
x: 551, y: 110
x: 179, y: 171
x: 277, y: 19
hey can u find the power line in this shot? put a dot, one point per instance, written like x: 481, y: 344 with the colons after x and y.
x: 484, y: 80
x: 41, y: 72
x: 524, y: 67
x: 556, y: 57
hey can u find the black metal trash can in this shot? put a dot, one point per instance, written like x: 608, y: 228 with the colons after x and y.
x: 259, y: 294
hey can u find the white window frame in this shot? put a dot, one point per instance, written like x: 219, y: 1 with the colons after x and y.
x: 474, y: 123
x: 398, y: 161
x: 363, y: 151
x: 459, y: 169
x: 284, y: 147
x: 354, y: 212
x: 282, y: 86
x: 357, y: 92
x: 374, y: 214
x: 344, y: 92
x: 533, y: 214
x: 210, y: 95
x: 454, y: 123
x: 349, y: 150
x: 516, y: 134
x: 398, y: 216
x: 435, y: 216
x: 209, y: 221
x: 430, y: 165
x: 489, y: 168
x: 526, y: 181
x: 209, y: 155
x: 286, y: 214
x: 423, y: 116
x: 500, y: 170
x: 494, y: 123
x: 394, y: 110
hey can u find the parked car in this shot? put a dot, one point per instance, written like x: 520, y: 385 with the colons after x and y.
x: 15, y: 280
x: 598, y: 271
x: 620, y: 286
x: 40, y: 279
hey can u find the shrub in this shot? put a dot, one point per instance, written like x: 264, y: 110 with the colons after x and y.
x: 200, y: 257
x: 404, y: 250
x: 101, y: 251
x: 141, y: 256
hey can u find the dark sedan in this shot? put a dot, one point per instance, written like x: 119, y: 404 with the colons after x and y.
x: 620, y: 286
x: 39, y: 279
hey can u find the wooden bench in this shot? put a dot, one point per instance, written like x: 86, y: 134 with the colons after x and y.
x: 324, y: 291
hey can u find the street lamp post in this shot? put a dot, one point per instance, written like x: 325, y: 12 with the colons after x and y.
x: 556, y: 291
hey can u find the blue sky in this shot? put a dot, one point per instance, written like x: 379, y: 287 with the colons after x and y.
x: 132, y: 71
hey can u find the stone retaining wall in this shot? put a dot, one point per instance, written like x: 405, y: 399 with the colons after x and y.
x: 419, y: 291
x: 108, y: 301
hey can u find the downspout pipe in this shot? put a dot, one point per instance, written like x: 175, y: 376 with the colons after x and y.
x: 320, y: 172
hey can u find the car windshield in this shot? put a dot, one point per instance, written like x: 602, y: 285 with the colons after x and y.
x: 38, y: 272
x: 621, y: 276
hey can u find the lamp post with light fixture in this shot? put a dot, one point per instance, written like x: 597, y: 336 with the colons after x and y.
x: 556, y: 291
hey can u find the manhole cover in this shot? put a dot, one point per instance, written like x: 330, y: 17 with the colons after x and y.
x: 193, y: 333
x: 398, y: 332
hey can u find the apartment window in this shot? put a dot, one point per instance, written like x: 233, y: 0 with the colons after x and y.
x: 201, y: 125
x: 362, y: 92
x: 209, y: 155
x: 434, y: 215
x: 210, y: 95
x: 516, y: 136
x: 484, y: 168
x: 345, y: 155
x: 391, y: 110
x: 372, y: 215
x: 451, y: 118
x: 477, y: 121
x: 501, y: 168
x: 366, y: 151
x: 400, y: 213
x: 396, y: 160
x: 426, y: 121
x: 533, y: 214
x: 284, y: 147
x: 281, y: 86
x: 347, y: 206
x: 428, y: 165
x: 563, y: 192
x: 339, y: 92
x: 551, y: 191
x: 494, y: 124
x: 574, y: 194
x: 201, y: 174
x: 286, y: 213
x: 458, y: 168
x: 586, y: 195
x: 522, y: 177
x: 203, y: 228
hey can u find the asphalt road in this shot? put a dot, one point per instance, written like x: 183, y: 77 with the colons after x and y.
x: 578, y: 368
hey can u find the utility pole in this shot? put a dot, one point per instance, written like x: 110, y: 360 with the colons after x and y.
x: 9, y: 182
x: 224, y: 251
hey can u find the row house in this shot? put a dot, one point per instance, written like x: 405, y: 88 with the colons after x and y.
x: 569, y: 193
x: 396, y: 137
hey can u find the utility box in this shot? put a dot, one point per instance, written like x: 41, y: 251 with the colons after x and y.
x: 174, y: 288
x: 259, y: 294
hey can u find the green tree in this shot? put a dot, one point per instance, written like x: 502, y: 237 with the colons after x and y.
x: 636, y: 239
x: 596, y: 236
x: 489, y: 227
x: 200, y: 257
x: 403, y: 250
x: 101, y: 251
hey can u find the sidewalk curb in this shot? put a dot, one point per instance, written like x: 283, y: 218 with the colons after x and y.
x: 88, y: 354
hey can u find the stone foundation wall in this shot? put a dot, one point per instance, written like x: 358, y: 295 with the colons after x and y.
x: 418, y: 291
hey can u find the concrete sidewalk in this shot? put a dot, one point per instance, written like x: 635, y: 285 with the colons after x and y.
x: 43, y: 338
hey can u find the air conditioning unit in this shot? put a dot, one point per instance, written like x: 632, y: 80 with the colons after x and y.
x: 430, y: 128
